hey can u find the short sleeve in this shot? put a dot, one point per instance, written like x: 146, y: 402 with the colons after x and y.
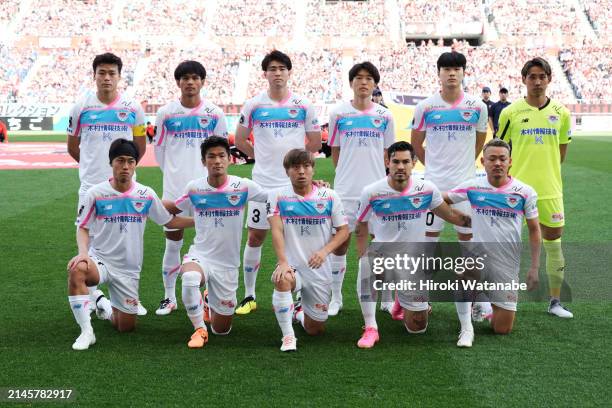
x: 246, y: 119
x: 183, y: 203
x: 459, y: 193
x: 531, y: 205
x: 565, y: 131
x: 338, y: 215
x: 334, y: 137
x: 272, y: 204
x: 364, y: 211
x: 87, y: 211
x: 504, y: 125
x: 436, y: 197
x: 221, y: 127
x: 157, y: 211
x: 418, y: 120
x: 139, y: 129
x: 312, y: 121
x: 256, y: 192
x: 483, y: 118
x: 389, y: 131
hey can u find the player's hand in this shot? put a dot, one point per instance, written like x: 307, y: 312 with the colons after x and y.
x: 533, y: 279
x: 467, y: 221
x: 321, y: 183
x: 280, y: 272
x: 77, y: 260
x: 317, y: 259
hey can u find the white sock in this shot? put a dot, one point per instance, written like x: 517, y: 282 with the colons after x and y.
x: 171, y: 265
x: 338, y: 264
x: 300, y: 317
x: 486, y: 307
x: 367, y: 296
x: 282, y: 302
x: 386, y: 296
x: 464, y: 312
x: 250, y: 266
x: 192, y: 298
x: 79, y: 305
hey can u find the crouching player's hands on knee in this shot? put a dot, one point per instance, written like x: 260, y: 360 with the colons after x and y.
x: 280, y: 271
x: 77, y: 260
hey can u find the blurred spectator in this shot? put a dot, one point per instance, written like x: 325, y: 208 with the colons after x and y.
x: 3, y: 132
x: 486, y: 97
x: 150, y: 132
x: 254, y: 18
x: 599, y: 14
x: 346, y: 18
x: 496, y: 108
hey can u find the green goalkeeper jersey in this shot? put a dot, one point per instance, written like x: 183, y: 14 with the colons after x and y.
x: 535, y: 134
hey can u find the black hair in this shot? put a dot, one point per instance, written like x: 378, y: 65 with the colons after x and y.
x: 189, y: 67
x: 277, y: 56
x: 214, y: 141
x: 367, y: 66
x: 451, y: 59
x: 537, y: 62
x: 107, y: 58
x: 401, y: 147
x: 122, y: 147
x: 495, y: 143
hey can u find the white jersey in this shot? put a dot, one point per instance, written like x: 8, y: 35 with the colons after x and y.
x: 308, y: 224
x: 497, y: 213
x: 117, y: 222
x: 450, y: 137
x: 97, y: 125
x: 277, y: 128
x: 178, y: 135
x: 362, y: 137
x: 400, y: 215
x: 219, y: 216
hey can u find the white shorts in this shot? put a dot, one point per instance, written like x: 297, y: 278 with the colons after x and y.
x: 222, y: 284
x: 316, y: 295
x: 122, y: 289
x: 511, y: 306
x: 436, y: 224
x: 257, y: 216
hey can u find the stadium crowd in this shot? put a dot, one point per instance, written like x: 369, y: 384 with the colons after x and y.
x: 346, y: 18
x: 587, y: 68
x: 235, y: 18
x: 599, y: 14
x: 425, y: 11
x: 158, y: 17
x: 14, y: 68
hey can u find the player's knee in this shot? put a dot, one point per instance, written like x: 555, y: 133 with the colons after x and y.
x: 256, y: 238
x: 191, y: 278
x: 416, y: 323
x: 315, y: 330
x: 502, y: 328
x: 285, y: 284
x: 221, y: 329
x: 78, y: 275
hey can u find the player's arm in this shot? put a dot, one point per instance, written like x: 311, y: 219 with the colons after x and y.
x: 73, y: 131
x: 417, y: 137
x: 362, y: 234
x: 159, y: 140
x: 452, y: 215
x: 313, y: 143
x: 335, y: 153
x: 564, y: 135
x: 341, y: 235
x: 74, y: 150
x: 139, y: 133
x: 82, y: 238
x: 141, y: 144
x: 242, y: 141
x: 171, y: 207
x: 480, y: 141
x: 179, y: 222
x: 563, y: 151
x: 535, y: 240
x: 278, y: 242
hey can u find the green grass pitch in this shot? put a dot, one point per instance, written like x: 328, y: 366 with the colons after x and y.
x: 544, y: 362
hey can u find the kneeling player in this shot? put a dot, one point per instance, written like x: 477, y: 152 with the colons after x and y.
x: 500, y: 203
x: 115, y: 212
x: 399, y: 204
x: 218, y: 203
x: 302, y: 218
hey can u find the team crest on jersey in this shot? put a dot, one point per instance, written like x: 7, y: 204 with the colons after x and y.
x: 553, y: 119
x: 293, y: 113
x: 138, y: 205
x: 204, y: 122
x: 377, y: 122
x: 233, y: 199
x: 416, y: 201
x: 320, y: 207
x: 122, y: 115
x: 512, y: 201
x: 467, y: 115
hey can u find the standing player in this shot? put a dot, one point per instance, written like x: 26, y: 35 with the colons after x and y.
x: 302, y: 218
x: 500, y: 205
x: 181, y: 126
x: 496, y: 109
x: 454, y: 126
x: 361, y: 131
x: 399, y: 204
x: 280, y: 121
x: 115, y: 212
x: 96, y: 120
x: 539, y: 129
x: 219, y: 201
